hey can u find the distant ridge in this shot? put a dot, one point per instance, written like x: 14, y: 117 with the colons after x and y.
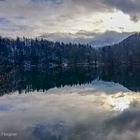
x: 126, y: 52
x: 134, y: 37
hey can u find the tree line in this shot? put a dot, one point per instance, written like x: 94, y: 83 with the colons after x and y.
x: 40, y: 52
x: 43, y: 53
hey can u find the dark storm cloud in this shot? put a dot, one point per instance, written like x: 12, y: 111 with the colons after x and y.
x: 125, y: 5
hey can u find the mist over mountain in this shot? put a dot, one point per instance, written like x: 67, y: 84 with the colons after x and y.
x: 91, y: 38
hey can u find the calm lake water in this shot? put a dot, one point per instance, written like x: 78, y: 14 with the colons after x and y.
x: 79, y: 103
x: 22, y: 80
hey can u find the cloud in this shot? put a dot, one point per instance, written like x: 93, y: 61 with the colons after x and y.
x: 131, y: 7
x: 67, y: 16
x: 128, y: 120
x: 4, y: 21
x: 48, y: 1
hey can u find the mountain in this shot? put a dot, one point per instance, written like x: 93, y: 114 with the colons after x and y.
x: 133, y: 40
x: 126, y: 52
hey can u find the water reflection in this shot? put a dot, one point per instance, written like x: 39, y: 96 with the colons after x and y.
x: 82, y: 112
x: 20, y: 79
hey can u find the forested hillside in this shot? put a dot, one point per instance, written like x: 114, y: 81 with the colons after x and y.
x: 126, y: 52
x: 43, y: 53
x: 39, y: 52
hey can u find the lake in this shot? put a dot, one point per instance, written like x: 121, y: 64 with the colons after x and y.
x: 71, y: 103
x: 26, y: 80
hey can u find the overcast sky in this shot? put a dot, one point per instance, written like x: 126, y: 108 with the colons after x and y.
x: 86, y: 18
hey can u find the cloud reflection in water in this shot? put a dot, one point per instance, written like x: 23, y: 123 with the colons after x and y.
x: 72, y: 113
